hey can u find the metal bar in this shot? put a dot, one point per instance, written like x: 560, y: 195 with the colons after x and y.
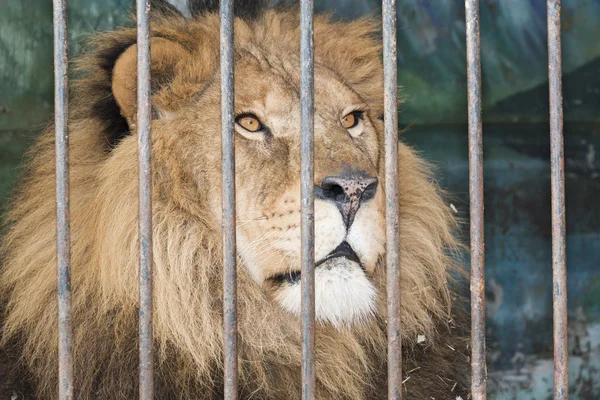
x: 144, y: 121
x: 229, y: 237
x: 390, y: 67
x: 478, y: 362
x: 557, y: 165
x: 308, y: 198
x: 63, y: 237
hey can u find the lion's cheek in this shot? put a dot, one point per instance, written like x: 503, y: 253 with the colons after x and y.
x: 329, y: 228
x: 367, y: 236
x: 249, y: 258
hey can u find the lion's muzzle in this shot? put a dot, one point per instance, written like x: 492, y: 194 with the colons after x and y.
x: 348, y: 192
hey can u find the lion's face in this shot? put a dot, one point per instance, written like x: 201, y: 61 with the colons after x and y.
x: 349, y: 221
x: 349, y: 218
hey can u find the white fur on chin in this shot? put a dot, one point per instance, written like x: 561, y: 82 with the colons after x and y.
x: 343, y: 294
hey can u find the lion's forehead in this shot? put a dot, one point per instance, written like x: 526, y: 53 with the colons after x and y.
x: 273, y: 86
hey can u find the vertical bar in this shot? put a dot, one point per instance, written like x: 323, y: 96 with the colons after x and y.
x: 557, y: 165
x: 63, y: 239
x: 229, y: 239
x: 478, y: 362
x: 308, y: 198
x: 144, y: 115
x: 392, y: 200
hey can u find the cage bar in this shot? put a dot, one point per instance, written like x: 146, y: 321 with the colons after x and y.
x: 307, y: 198
x: 390, y: 68
x: 144, y: 121
x: 557, y: 165
x: 478, y: 353
x: 229, y: 238
x: 63, y: 219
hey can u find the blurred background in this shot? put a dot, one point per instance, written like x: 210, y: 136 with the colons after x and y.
x: 431, y: 62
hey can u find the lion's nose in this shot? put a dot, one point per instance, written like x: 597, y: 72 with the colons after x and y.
x: 348, y: 193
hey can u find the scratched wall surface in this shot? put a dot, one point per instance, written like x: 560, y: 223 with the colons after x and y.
x: 26, y: 91
x: 513, y: 52
x: 432, y: 73
x: 518, y: 244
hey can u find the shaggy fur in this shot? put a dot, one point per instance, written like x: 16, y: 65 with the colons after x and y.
x: 351, y: 360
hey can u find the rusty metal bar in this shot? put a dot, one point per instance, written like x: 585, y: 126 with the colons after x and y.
x: 390, y: 67
x: 144, y: 121
x: 229, y: 237
x: 307, y: 198
x: 478, y: 362
x: 63, y: 237
x: 557, y: 165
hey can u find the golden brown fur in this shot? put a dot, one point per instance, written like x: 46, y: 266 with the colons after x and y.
x: 351, y: 361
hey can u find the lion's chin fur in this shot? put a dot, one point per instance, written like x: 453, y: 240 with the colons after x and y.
x: 344, y: 296
x: 350, y: 362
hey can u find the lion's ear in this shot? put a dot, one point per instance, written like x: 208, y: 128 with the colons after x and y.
x: 165, y: 58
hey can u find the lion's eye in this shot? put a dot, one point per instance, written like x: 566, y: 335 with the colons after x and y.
x: 349, y: 121
x: 249, y: 122
x: 353, y: 122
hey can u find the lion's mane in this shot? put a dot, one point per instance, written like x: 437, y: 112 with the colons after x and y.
x: 351, y: 363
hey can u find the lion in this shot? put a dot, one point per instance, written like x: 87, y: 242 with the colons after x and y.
x: 351, y: 360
